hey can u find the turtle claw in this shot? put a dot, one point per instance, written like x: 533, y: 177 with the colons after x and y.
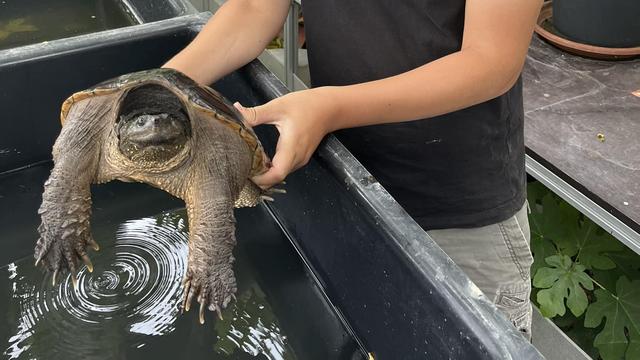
x: 87, y: 262
x: 189, y: 293
x: 62, y: 249
x: 74, y: 281
x: 276, y: 191
x: 187, y: 288
x: 212, y: 290
x: 201, y: 313
x: 94, y: 245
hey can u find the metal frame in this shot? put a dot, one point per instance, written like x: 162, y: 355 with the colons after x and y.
x: 580, y: 201
x: 291, y: 44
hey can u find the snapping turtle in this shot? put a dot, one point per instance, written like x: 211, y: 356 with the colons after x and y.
x: 161, y: 128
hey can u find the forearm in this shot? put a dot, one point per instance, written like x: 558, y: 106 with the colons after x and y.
x: 451, y: 83
x: 489, y: 62
x: 235, y: 35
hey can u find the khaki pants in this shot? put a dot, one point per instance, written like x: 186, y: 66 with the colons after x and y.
x: 497, y: 258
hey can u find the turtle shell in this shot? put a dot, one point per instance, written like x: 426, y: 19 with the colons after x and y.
x: 202, y: 97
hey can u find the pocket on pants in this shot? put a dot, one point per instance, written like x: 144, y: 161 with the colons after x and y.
x: 517, y: 244
x: 513, y: 300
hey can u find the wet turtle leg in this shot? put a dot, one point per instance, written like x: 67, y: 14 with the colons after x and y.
x: 209, y: 278
x: 65, y: 232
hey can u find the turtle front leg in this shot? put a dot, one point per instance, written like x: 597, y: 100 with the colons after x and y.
x: 209, y: 278
x: 65, y: 231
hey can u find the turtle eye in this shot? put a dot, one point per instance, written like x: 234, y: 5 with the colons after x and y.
x: 140, y: 122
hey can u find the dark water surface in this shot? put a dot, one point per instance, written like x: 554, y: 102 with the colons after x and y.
x: 24, y: 22
x: 128, y: 307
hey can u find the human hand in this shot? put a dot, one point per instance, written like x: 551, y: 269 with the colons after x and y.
x: 302, y: 118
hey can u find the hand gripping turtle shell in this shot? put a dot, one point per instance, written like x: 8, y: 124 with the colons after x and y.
x: 161, y: 128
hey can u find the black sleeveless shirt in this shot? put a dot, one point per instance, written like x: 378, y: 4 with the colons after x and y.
x: 462, y: 169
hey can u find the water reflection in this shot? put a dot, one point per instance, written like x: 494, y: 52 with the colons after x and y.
x: 131, y: 297
x: 251, y: 328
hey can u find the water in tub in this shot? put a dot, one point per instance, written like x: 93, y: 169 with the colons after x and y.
x: 128, y: 308
x: 24, y: 22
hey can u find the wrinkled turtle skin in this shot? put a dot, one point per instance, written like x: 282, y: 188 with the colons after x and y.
x: 161, y: 128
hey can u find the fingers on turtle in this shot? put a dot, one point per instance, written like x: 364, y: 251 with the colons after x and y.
x: 203, y: 300
x: 77, y: 254
x: 92, y: 243
x: 87, y: 261
x: 52, y: 261
x: 71, y: 256
x: 190, y: 290
x: 81, y: 252
x: 267, y: 195
x: 201, y: 313
x: 38, y: 254
x: 206, y: 297
x: 227, y: 300
x: 275, y: 191
x: 40, y: 251
x: 185, y: 292
x: 72, y: 261
x: 74, y: 280
x: 213, y: 307
x: 54, y: 277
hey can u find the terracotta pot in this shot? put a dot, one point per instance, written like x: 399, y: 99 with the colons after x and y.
x: 610, y: 23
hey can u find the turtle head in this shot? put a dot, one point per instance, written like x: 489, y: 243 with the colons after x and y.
x: 153, y: 124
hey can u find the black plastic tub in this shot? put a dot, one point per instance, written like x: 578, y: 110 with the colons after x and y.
x: 610, y: 23
x: 24, y: 22
x: 399, y: 293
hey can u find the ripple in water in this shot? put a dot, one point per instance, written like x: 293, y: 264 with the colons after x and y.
x: 132, y: 295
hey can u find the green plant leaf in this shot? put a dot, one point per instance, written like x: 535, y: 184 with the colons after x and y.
x: 535, y: 192
x: 563, y: 280
x: 582, y: 336
x: 627, y: 262
x: 593, y: 243
x: 568, y: 320
x: 542, y: 248
x: 606, y: 278
x: 620, y: 337
x: 552, y: 218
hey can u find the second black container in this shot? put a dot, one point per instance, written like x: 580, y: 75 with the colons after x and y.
x: 607, y: 23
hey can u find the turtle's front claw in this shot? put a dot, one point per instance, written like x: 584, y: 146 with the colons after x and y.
x: 61, y: 250
x: 213, y: 289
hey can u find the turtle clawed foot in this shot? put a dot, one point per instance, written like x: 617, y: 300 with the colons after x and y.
x: 211, y: 292
x: 58, y: 254
x: 267, y: 195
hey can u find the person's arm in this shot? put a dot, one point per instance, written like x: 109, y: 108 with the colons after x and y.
x: 495, y: 42
x: 237, y: 33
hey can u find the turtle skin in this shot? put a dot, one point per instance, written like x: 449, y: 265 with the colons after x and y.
x: 211, y: 173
